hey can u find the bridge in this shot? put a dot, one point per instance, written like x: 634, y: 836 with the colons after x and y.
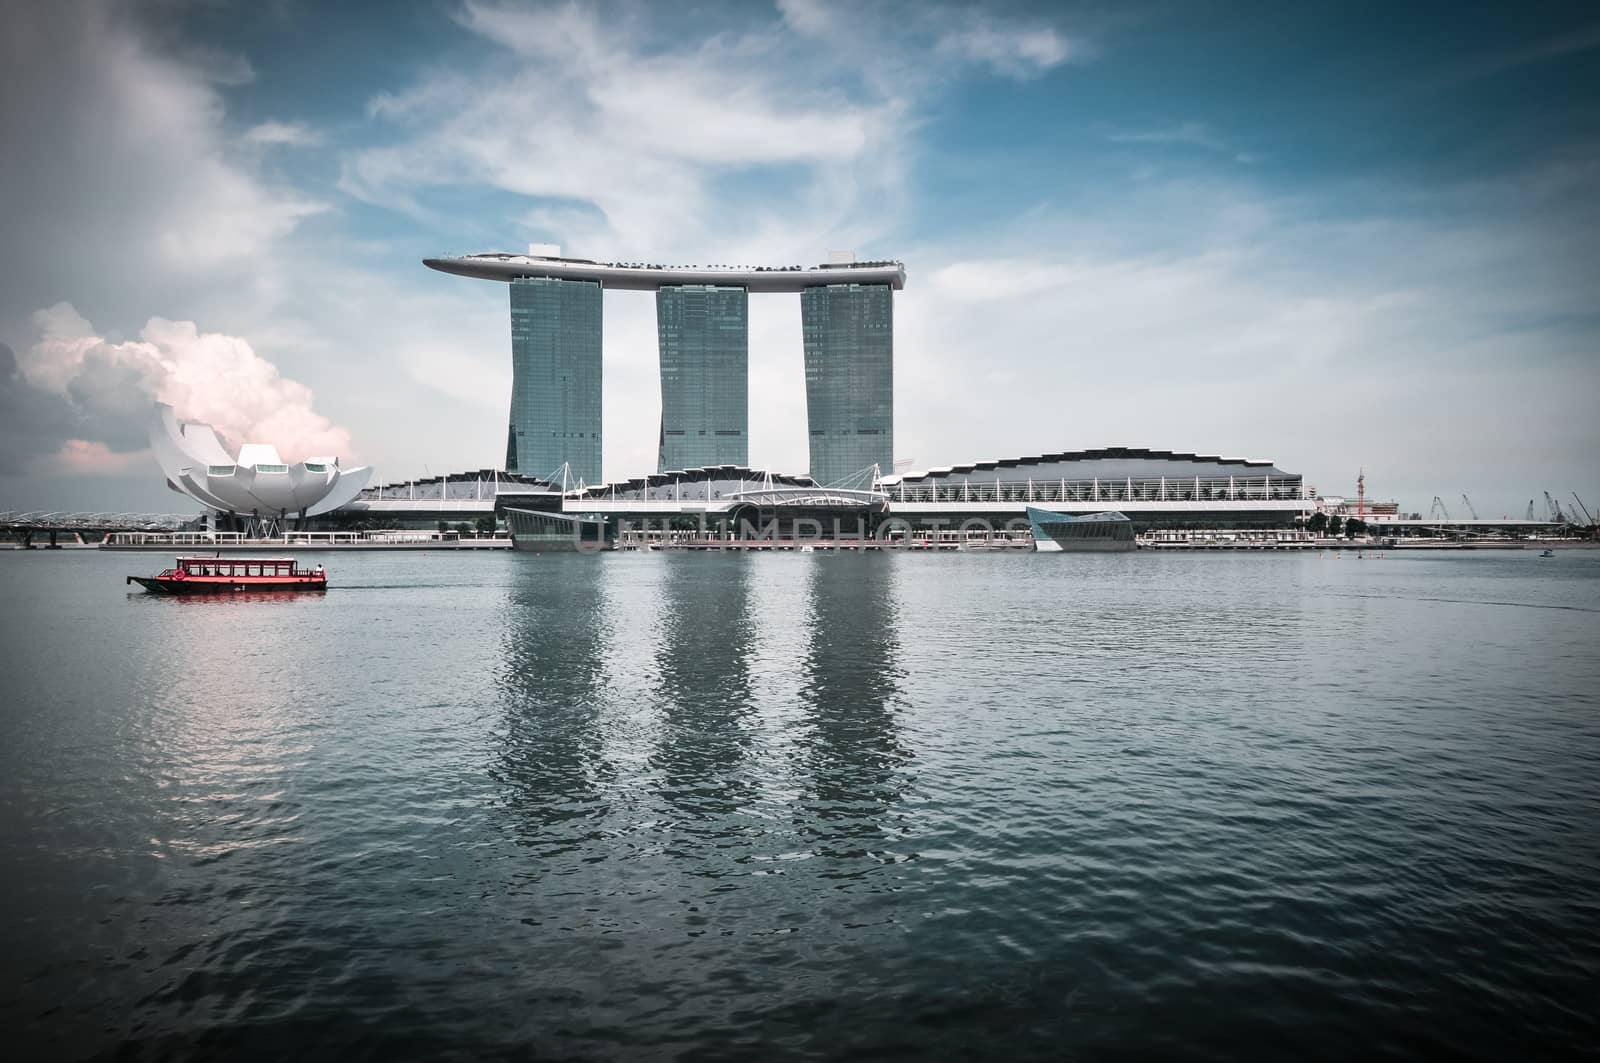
x: 25, y: 528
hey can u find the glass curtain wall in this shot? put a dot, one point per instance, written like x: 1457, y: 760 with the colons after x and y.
x: 849, y: 352
x: 555, y: 378
x: 704, y: 334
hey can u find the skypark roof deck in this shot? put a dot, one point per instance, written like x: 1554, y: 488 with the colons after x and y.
x: 646, y: 277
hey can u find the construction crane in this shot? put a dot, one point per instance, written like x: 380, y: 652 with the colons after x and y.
x: 1437, y: 511
x: 1530, y: 510
x: 1468, y: 501
x: 1553, y: 510
x: 1586, y: 514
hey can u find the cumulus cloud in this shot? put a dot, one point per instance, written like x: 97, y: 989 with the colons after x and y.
x: 794, y: 131
x: 587, y: 111
x: 33, y: 420
x: 119, y: 150
x: 95, y: 394
x: 85, y: 457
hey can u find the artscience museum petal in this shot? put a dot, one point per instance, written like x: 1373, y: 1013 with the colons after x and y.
x: 256, y: 482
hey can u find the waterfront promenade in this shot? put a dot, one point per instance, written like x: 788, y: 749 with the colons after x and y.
x: 167, y: 542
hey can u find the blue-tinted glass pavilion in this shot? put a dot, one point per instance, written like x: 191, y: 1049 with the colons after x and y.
x: 704, y: 333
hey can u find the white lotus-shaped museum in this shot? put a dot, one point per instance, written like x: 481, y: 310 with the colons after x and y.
x: 257, y: 483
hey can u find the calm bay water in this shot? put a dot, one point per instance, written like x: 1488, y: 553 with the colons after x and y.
x: 664, y: 806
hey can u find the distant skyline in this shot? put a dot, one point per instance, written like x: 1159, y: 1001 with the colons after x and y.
x: 1341, y: 238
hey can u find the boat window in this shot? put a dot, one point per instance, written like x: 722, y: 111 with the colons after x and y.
x: 255, y: 570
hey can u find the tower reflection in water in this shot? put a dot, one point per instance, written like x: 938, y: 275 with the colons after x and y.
x: 850, y: 746
x: 553, y: 768
x: 703, y: 652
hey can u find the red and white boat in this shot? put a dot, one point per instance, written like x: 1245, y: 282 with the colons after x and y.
x: 230, y: 575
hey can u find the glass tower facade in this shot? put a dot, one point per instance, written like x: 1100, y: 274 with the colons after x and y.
x: 849, y: 351
x: 555, y: 378
x: 704, y: 334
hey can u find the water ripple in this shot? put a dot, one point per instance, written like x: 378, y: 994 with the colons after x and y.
x: 808, y: 807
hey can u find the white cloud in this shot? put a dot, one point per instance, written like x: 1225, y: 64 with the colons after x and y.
x: 920, y: 40
x: 645, y: 139
x: 120, y: 153
x: 659, y: 141
x: 287, y: 134
x: 1214, y: 316
x: 1014, y: 51
x: 205, y: 376
x: 82, y: 457
x: 566, y: 32
x: 811, y: 18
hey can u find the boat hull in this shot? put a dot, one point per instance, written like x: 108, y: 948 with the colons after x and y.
x: 157, y: 585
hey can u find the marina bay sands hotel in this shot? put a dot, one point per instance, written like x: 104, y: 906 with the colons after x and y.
x: 703, y: 327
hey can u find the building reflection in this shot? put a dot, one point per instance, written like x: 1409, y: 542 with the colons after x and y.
x: 851, y: 748
x: 704, y: 646
x: 552, y: 767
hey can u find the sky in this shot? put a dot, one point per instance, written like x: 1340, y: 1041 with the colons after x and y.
x: 1343, y: 237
